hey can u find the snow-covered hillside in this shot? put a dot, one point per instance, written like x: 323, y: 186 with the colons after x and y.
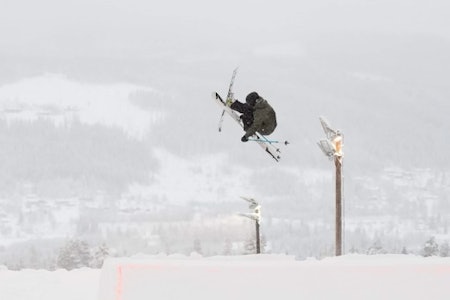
x: 61, y: 100
x: 92, y: 139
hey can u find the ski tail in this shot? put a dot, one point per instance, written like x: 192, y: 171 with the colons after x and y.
x: 230, y: 97
x: 230, y: 94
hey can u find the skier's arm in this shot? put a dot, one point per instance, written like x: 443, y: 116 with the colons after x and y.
x: 240, y: 107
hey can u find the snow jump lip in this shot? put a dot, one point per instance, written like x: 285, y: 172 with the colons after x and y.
x: 350, y: 277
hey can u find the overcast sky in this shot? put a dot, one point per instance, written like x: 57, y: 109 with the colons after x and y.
x: 25, y: 21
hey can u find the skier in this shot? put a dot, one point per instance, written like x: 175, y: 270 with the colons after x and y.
x: 257, y: 115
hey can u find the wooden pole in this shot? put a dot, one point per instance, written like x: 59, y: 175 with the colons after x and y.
x: 338, y: 163
x: 258, y: 242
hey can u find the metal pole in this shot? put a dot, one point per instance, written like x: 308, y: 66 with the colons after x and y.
x: 258, y: 242
x: 338, y: 163
x: 332, y: 147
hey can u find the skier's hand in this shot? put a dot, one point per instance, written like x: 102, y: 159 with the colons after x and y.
x: 244, y: 139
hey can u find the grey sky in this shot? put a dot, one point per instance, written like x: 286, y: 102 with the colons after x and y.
x: 24, y: 22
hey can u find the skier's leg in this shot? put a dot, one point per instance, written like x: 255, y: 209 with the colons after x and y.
x: 246, y: 111
x: 247, y: 120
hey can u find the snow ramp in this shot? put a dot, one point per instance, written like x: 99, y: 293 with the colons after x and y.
x: 275, y: 277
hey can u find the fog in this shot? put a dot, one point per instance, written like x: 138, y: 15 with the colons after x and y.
x: 107, y: 116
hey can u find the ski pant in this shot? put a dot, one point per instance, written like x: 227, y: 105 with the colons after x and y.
x: 246, y: 111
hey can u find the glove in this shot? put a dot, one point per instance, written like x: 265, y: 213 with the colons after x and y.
x: 229, y: 102
x: 244, y: 139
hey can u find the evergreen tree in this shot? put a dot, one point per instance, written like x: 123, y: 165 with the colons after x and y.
x: 99, y: 256
x: 444, y: 250
x: 250, y: 246
x: 431, y: 248
x: 376, y: 248
x: 198, y: 246
x: 74, y: 254
x: 353, y: 250
x: 227, y: 247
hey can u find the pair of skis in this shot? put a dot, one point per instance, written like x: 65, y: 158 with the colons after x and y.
x: 269, y: 146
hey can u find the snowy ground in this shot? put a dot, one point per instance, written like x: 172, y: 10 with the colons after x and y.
x: 40, y: 284
x: 239, y: 277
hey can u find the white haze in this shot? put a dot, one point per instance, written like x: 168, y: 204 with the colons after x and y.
x: 110, y: 134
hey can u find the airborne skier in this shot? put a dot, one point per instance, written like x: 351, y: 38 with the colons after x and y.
x: 257, y: 115
x: 257, y: 118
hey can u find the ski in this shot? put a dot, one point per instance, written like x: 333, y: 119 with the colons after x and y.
x: 230, y: 97
x: 261, y: 140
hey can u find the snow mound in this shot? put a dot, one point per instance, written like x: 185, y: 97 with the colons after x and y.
x: 275, y: 277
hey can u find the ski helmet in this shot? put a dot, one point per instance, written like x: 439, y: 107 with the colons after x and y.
x: 251, y: 98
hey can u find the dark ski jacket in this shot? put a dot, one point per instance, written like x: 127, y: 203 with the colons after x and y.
x: 264, y: 119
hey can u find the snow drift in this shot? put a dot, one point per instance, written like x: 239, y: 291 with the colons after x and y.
x: 275, y: 277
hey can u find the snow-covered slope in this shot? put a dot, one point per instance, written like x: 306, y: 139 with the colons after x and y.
x: 56, y: 97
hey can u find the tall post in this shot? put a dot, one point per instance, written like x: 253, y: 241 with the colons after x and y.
x: 255, y: 216
x: 338, y: 163
x: 258, y: 242
x: 332, y: 148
